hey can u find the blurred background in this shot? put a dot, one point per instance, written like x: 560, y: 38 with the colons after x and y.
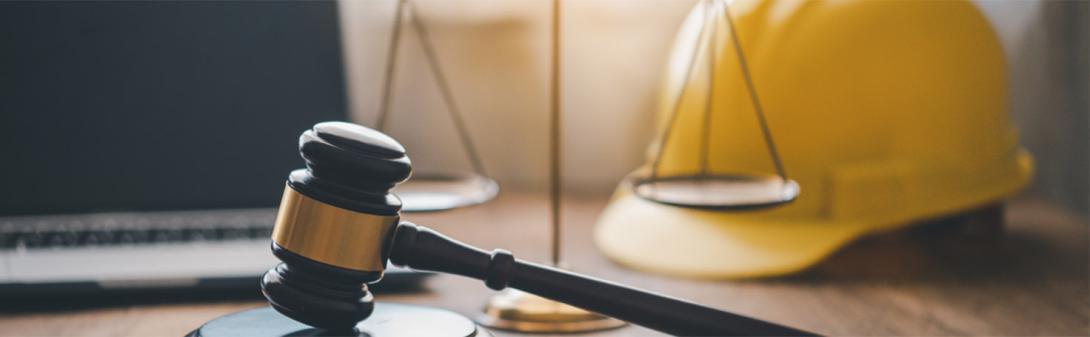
x: 614, y: 55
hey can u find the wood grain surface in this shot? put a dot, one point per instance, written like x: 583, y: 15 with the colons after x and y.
x: 1035, y: 280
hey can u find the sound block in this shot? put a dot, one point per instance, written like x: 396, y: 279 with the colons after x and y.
x: 388, y: 319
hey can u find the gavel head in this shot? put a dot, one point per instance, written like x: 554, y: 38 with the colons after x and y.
x: 335, y: 225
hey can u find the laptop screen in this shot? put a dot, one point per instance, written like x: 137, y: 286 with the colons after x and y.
x: 143, y: 106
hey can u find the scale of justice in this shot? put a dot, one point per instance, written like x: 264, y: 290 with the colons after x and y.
x: 320, y: 289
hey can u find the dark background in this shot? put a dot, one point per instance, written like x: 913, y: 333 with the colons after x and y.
x: 113, y: 106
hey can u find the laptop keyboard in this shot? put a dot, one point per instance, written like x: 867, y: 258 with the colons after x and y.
x: 119, y: 229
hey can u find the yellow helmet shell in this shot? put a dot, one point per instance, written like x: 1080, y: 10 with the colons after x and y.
x: 885, y: 112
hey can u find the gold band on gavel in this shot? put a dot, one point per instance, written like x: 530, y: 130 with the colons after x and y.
x: 331, y: 235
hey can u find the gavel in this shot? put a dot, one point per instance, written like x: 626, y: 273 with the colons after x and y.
x: 338, y: 224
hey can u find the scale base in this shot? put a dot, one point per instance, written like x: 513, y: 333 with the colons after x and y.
x: 388, y: 319
x: 514, y: 310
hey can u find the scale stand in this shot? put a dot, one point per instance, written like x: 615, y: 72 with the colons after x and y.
x: 516, y: 310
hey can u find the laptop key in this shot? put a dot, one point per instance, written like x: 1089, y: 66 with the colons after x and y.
x: 8, y: 240
x: 197, y: 235
x: 232, y: 233
x: 124, y: 237
x: 260, y: 232
x: 89, y: 238
x: 32, y: 240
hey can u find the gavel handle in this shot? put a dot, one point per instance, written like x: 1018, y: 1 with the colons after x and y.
x: 424, y: 249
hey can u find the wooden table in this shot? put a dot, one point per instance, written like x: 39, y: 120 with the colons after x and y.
x: 1032, y: 282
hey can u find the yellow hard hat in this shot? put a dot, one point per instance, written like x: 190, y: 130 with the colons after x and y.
x: 885, y: 113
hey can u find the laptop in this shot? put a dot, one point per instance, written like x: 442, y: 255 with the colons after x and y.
x: 145, y: 145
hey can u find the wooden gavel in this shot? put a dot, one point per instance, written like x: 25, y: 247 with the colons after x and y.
x: 338, y: 224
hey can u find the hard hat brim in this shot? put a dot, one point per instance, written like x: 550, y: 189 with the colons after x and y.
x: 695, y: 243
x: 664, y: 239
